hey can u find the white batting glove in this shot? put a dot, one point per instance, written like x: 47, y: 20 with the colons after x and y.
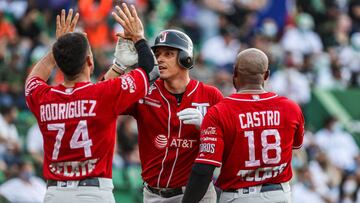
x: 125, y: 54
x: 191, y: 116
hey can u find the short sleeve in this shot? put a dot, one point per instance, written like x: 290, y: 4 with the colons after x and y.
x: 34, y: 89
x: 211, y: 140
x: 130, y: 88
x: 299, y: 133
x: 217, y: 96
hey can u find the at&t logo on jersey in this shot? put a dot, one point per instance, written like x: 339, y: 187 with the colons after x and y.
x: 162, y: 142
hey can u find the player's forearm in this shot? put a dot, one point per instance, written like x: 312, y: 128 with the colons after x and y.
x: 147, y: 60
x: 113, y: 72
x: 198, y: 183
x: 43, y: 68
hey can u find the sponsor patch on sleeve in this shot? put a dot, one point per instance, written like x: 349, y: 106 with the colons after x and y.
x: 32, y: 84
x: 128, y: 83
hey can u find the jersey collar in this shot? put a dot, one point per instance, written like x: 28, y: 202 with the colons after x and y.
x: 252, y: 97
x: 190, y: 88
x: 69, y: 90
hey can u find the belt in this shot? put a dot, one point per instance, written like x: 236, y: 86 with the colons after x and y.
x: 267, y: 187
x: 165, y: 192
x: 89, y: 182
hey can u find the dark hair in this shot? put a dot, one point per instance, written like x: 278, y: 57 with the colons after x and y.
x: 6, y: 109
x: 70, y: 52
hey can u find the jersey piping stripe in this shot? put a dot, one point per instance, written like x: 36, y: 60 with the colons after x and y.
x: 167, y: 148
x: 252, y: 100
x: 153, y: 100
x: 176, y: 157
x: 197, y: 84
x: 152, y: 104
x: 145, y: 81
x: 297, y: 147
x: 70, y: 93
x: 207, y: 160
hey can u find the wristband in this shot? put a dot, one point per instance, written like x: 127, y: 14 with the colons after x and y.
x: 119, y: 65
x: 116, y: 71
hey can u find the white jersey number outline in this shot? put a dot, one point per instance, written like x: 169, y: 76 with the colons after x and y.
x: 81, y: 129
x: 265, y: 147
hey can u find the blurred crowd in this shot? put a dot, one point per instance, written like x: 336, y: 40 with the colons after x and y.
x: 310, y: 43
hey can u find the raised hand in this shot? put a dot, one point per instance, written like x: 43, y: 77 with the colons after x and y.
x: 130, y: 21
x: 65, y: 24
x: 125, y: 54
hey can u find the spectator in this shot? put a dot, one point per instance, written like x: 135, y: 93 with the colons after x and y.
x: 350, y: 59
x: 302, y: 39
x: 331, y: 75
x: 349, y: 188
x: 290, y: 82
x: 25, y: 187
x: 325, y: 176
x: 94, y: 14
x: 9, y: 137
x: 339, y: 146
x: 34, y: 145
x: 226, y: 44
x: 304, y: 189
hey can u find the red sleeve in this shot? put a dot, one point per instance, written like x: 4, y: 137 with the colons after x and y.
x: 129, y: 89
x: 299, y: 133
x: 211, y: 140
x: 34, y: 88
x: 217, y: 96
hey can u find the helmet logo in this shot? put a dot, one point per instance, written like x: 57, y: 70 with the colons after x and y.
x: 163, y: 37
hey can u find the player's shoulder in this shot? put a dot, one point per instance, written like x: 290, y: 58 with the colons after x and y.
x: 33, y: 83
x: 288, y: 103
x: 207, y: 86
x: 208, y: 89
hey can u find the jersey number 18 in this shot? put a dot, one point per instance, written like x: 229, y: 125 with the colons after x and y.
x: 265, y: 147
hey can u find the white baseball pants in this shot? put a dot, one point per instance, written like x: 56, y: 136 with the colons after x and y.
x: 277, y: 196
x: 149, y: 197
x: 81, y: 194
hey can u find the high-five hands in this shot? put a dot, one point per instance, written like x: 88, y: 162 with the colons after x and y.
x: 125, y: 54
x: 191, y: 116
x: 129, y: 20
x: 65, y: 24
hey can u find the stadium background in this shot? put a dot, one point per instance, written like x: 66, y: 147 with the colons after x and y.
x: 314, y: 51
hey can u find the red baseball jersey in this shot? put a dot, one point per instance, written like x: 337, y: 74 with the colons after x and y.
x: 251, y: 136
x: 168, y: 147
x: 78, y: 124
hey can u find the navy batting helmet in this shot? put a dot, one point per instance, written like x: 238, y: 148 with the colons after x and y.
x: 179, y: 40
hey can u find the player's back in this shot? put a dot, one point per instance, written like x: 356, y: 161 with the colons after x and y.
x: 259, y: 133
x: 78, y: 124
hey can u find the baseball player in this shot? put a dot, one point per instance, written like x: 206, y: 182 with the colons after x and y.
x: 169, y: 119
x: 77, y: 118
x: 250, y: 134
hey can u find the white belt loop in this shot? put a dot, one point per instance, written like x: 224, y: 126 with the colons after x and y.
x: 106, y: 183
x: 286, y: 186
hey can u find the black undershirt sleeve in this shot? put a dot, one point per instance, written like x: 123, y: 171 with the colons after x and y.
x: 198, y: 184
x: 146, y: 57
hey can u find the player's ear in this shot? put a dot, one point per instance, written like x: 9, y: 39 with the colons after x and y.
x: 266, y: 75
x: 90, y: 63
x: 235, y: 76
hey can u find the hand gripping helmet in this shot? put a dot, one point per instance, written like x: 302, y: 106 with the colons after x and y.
x: 179, y: 40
